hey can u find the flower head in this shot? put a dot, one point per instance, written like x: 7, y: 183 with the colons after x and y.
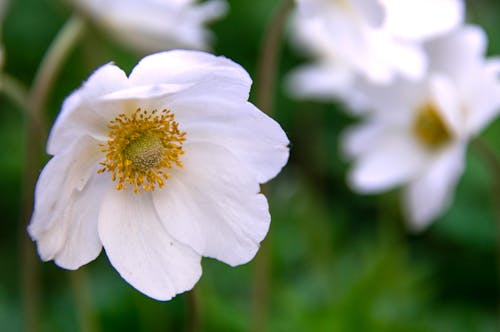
x: 159, y: 168
x: 155, y: 25
x: 367, y: 40
x: 417, y: 134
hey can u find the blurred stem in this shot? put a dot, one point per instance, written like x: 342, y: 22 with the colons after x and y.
x: 267, y: 63
x: 35, y: 138
x: 86, y: 314
x: 493, y: 163
x: 15, y: 91
x: 267, y: 70
x: 193, y: 308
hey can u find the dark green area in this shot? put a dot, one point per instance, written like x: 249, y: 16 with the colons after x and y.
x: 338, y: 261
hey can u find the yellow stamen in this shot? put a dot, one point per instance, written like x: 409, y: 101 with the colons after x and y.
x: 141, y: 147
x: 430, y: 127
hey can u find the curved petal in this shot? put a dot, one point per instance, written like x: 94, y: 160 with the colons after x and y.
x: 253, y: 137
x: 391, y: 161
x: 447, y: 98
x: 431, y: 193
x: 212, y: 204
x: 405, y: 17
x: 78, y: 115
x: 483, y: 96
x: 141, y: 249
x: 152, y: 25
x: 228, y: 79
x: 66, y: 172
x: 66, y: 205
x: 456, y: 53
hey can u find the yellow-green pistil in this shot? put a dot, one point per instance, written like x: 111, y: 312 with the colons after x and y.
x: 430, y: 127
x: 141, y: 148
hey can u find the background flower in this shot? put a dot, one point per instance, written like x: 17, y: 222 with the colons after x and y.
x: 417, y: 132
x: 179, y: 192
x: 155, y: 25
x: 368, y: 40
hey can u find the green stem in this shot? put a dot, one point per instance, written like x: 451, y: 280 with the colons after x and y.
x: 267, y: 70
x: 35, y: 137
x: 193, y: 308
x: 84, y: 307
x: 15, y: 90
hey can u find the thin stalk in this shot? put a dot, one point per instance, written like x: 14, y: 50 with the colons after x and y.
x: 267, y: 71
x: 15, y: 91
x: 35, y: 137
x: 193, y: 310
x: 493, y: 163
x: 85, y: 309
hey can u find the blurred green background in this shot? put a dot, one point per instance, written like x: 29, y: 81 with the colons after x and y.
x: 337, y: 261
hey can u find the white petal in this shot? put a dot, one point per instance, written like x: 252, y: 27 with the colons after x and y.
x: 75, y: 231
x: 483, y: 96
x: 155, y: 25
x: 358, y: 140
x: 321, y: 81
x: 445, y: 94
x: 455, y: 53
x: 371, y: 11
x: 431, y: 193
x: 141, y: 249
x: 212, y: 204
x: 253, y: 137
x: 391, y: 161
x: 64, y: 173
x: 184, y: 67
x: 78, y: 116
x: 422, y: 19
x: 65, y: 215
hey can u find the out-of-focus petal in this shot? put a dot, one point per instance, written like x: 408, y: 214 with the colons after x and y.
x: 392, y: 161
x: 428, y: 195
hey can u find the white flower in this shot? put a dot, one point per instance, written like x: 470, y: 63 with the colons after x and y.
x: 155, y: 25
x: 416, y: 135
x: 365, y: 39
x: 159, y: 168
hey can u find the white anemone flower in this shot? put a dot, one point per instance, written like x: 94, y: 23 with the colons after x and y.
x: 159, y: 168
x: 352, y: 40
x: 417, y: 132
x: 155, y: 25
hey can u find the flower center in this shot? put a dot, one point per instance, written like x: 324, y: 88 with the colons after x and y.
x: 141, y: 148
x: 429, y: 126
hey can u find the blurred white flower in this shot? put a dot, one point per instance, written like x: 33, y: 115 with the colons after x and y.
x: 159, y: 168
x: 417, y: 132
x: 155, y: 25
x: 369, y: 40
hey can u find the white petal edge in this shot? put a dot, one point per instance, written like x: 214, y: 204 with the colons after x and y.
x: 140, y: 248
x: 252, y: 136
x: 66, y: 204
x: 184, y: 67
x: 391, y: 161
x: 431, y: 193
x: 76, y: 115
x: 212, y: 204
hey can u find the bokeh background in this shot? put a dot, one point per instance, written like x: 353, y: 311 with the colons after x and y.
x: 332, y: 261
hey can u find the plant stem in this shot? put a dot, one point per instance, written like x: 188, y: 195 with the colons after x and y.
x: 84, y: 307
x: 35, y: 137
x: 193, y: 309
x: 15, y: 90
x: 267, y: 70
x: 493, y: 163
